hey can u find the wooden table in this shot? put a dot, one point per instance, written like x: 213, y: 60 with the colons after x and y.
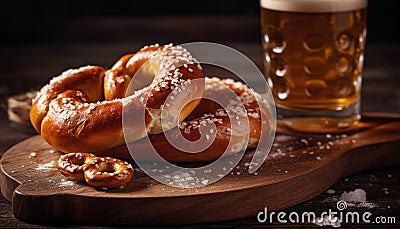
x: 31, y: 66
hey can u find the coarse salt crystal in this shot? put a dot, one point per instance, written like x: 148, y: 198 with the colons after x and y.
x: 356, y: 196
x: 328, y: 136
x: 207, y: 171
x: 330, y: 191
x: 328, y: 220
x: 304, y: 141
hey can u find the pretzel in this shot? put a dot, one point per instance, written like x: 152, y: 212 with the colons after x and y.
x: 100, y: 172
x: 207, y: 113
x: 81, y: 110
x: 106, y: 172
x: 72, y: 165
x: 72, y: 116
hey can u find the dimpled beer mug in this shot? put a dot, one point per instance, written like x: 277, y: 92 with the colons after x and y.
x: 314, y: 52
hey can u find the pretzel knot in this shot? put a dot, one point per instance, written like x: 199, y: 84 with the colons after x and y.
x: 81, y: 110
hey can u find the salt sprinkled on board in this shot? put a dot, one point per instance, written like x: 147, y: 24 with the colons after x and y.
x: 276, y: 154
x: 328, y: 220
x: 357, y: 198
x: 48, y: 166
x: 66, y: 183
x: 366, y: 205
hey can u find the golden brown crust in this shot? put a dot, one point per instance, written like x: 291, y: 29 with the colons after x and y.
x: 100, y: 172
x: 205, y: 113
x: 106, y: 172
x: 82, y: 110
x: 73, y: 165
x: 73, y: 113
x: 87, y: 80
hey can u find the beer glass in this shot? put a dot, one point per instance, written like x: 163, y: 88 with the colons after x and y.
x: 313, y: 60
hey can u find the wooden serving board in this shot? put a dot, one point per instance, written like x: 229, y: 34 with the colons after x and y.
x: 299, y: 167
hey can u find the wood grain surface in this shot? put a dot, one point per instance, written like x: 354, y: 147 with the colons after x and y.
x: 299, y: 167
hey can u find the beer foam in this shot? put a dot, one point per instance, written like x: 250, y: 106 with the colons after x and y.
x: 314, y: 6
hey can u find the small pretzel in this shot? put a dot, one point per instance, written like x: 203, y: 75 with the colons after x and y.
x: 100, y: 172
x: 106, y: 172
x: 72, y: 165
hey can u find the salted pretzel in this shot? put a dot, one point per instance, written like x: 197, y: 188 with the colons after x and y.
x: 81, y: 110
x: 100, y: 172
x: 106, y: 172
x: 229, y: 126
x: 72, y: 165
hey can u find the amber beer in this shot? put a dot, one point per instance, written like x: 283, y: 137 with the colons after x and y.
x: 313, y: 61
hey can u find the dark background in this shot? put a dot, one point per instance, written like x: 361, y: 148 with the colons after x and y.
x: 145, y: 21
x: 40, y: 39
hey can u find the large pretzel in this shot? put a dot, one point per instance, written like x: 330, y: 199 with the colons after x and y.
x: 81, y: 110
